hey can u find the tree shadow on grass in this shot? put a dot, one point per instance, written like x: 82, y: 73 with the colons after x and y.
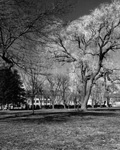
x: 57, y: 117
x: 94, y: 113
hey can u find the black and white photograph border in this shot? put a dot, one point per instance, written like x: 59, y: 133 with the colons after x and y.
x: 59, y: 74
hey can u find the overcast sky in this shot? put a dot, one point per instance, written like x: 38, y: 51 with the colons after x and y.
x: 84, y: 7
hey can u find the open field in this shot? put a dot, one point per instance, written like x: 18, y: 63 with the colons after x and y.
x: 93, y: 130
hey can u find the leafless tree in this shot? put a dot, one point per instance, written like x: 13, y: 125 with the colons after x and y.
x: 26, y: 21
x: 63, y: 85
x: 88, y: 43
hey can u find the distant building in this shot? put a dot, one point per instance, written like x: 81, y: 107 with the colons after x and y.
x: 115, y: 99
x: 38, y: 103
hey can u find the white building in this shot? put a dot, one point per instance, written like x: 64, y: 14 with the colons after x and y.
x: 38, y: 103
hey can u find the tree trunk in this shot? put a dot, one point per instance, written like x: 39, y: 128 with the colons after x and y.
x: 40, y: 99
x: 75, y: 103
x: 86, y: 98
x: 93, y: 102
x: 64, y: 105
x: 108, y: 101
x: 84, y: 104
x: 53, y: 107
x: 64, y: 101
x: 33, y: 105
x: 53, y: 99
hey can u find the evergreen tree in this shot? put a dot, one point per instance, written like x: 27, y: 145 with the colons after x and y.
x: 11, y: 87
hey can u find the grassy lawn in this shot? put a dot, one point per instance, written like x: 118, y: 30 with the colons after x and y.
x: 61, y: 131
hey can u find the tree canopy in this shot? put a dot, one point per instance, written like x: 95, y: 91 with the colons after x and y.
x: 22, y: 22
